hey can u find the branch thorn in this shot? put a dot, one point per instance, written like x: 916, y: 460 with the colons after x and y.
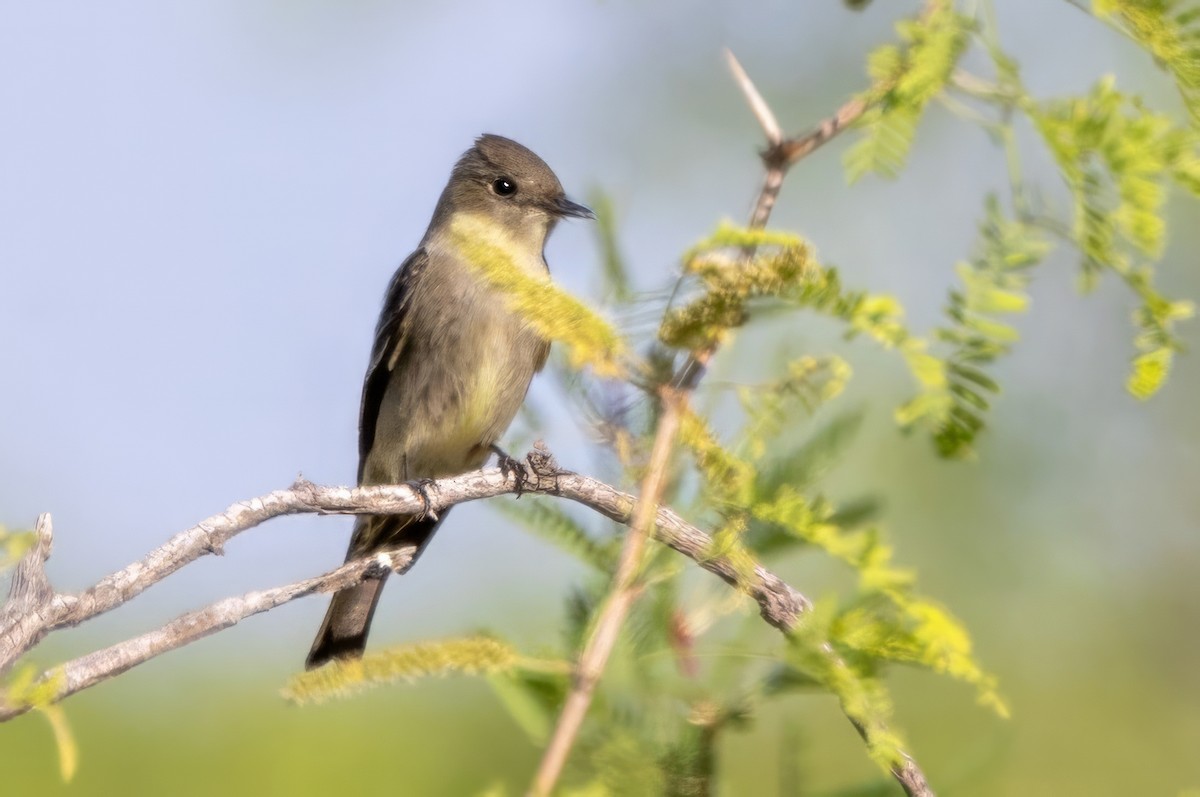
x: 758, y: 106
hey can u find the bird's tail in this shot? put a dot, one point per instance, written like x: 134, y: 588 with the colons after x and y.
x: 343, y: 633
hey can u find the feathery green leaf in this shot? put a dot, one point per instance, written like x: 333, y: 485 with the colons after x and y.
x: 1116, y: 157
x: 532, y: 699
x: 905, y: 80
x: 1170, y: 31
x: 341, y: 678
x: 589, y: 339
x: 994, y: 283
x: 550, y: 521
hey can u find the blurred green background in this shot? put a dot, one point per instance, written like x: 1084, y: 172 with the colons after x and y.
x: 201, y: 206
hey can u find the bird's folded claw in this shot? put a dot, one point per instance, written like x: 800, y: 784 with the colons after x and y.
x: 511, y: 467
x: 422, y: 488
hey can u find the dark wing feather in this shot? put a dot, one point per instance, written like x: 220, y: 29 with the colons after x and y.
x: 390, y: 336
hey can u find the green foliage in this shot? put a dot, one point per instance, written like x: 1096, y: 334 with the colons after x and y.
x: 808, y: 381
x: 780, y: 267
x: 589, y: 339
x: 25, y: 688
x: 889, y: 621
x: 862, y: 695
x: 1116, y: 158
x: 472, y: 655
x: 531, y: 697
x: 907, y: 76
x: 64, y: 741
x: 799, y: 468
x: 893, y: 625
x: 948, y: 402
x: 728, y: 479
x: 844, y: 652
x: 730, y: 281
x: 1155, y: 322
x: 549, y: 520
x: 624, y: 765
x: 994, y: 283
x: 14, y: 545
x: 732, y: 477
x: 803, y: 464
x: 1170, y: 31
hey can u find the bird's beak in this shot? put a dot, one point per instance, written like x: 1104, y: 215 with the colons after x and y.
x: 565, y: 207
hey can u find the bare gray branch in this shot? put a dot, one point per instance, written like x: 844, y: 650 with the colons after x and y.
x: 34, y: 609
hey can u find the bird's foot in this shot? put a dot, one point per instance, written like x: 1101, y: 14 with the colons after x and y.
x: 510, y: 467
x: 422, y: 488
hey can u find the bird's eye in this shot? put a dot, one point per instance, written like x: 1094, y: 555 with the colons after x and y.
x: 504, y: 186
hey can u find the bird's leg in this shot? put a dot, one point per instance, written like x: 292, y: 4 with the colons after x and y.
x: 422, y: 488
x: 510, y: 466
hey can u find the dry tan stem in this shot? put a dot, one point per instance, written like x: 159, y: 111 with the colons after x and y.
x: 620, y: 599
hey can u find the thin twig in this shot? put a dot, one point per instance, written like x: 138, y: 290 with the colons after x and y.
x: 613, y: 612
x: 758, y: 106
x: 780, y: 157
x: 93, y: 668
x: 777, y: 159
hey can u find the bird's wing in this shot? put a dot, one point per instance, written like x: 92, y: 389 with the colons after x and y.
x: 390, y: 337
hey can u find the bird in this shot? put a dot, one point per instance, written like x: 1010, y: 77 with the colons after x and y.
x: 451, y: 362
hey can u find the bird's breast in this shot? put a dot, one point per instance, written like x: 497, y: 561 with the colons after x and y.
x: 468, y: 364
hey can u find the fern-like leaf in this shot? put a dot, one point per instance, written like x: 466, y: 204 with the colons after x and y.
x: 588, y: 338
x: 341, y: 678
x: 1116, y: 157
x: 862, y: 695
x: 905, y: 80
x: 993, y: 284
x: 548, y: 520
x: 1170, y: 31
x: 911, y: 630
x: 531, y: 698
